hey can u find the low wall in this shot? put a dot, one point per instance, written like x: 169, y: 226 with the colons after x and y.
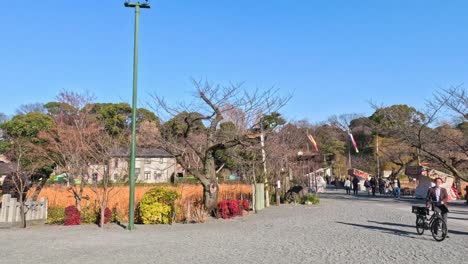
x: 10, y: 213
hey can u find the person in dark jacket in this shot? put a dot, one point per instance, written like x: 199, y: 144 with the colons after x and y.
x: 355, y: 185
x: 381, y: 186
x: 373, y: 185
x: 438, y: 197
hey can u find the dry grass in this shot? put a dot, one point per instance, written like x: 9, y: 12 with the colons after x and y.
x: 198, y: 213
x: 118, y: 199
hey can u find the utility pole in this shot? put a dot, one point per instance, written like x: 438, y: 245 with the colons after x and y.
x: 349, y: 150
x: 262, y: 143
x: 131, y: 215
x: 377, y: 153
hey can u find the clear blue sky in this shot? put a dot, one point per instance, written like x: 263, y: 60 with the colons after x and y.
x: 334, y: 56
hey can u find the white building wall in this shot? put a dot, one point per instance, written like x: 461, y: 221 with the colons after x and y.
x: 149, y: 170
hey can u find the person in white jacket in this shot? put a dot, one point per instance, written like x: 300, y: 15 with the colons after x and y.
x: 347, y: 185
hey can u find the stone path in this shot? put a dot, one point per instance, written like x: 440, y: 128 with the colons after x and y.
x: 341, y: 229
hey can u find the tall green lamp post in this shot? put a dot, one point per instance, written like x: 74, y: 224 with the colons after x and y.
x: 131, y: 217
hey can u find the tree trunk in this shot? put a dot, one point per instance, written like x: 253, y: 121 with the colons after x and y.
x: 210, y: 196
x: 39, y: 187
x: 78, y: 202
x: 103, y: 206
x: 78, y: 195
x: 210, y: 184
x: 22, y: 211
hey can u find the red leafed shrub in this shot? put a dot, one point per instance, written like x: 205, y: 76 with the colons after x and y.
x: 107, y: 216
x: 233, y: 207
x: 223, y: 209
x: 72, y: 216
x: 230, y: 208
x: 246, y: 205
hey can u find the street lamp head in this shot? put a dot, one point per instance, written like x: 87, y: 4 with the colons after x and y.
x: 145, y: 4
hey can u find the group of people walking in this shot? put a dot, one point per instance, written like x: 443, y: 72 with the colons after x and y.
x: 383, y: 186
x: 351, y: 185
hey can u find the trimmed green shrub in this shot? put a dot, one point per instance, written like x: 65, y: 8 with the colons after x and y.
x: 88, y: 215
x: 116, y: 216
x: 310, y: 199
x: 55, y: 215
x: 158, y: 206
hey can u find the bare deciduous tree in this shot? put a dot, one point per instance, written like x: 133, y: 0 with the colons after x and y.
x: 212, y: 102
x: 27, y: 171
x: 69, y: 141
x: 28, y: 108
x: 445, y: 145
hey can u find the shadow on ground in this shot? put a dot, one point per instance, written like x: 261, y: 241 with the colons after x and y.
x: 412, y: 226
x: 392, y: 231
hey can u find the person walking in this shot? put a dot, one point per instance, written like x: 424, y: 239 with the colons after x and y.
x: 355, y: 185
x: 373, y: 185
x: 396, y: 187
x: 347, y: 185
x: 381, y: 186
x: 367, y: 185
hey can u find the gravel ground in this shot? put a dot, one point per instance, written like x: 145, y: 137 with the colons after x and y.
x: 341, y: 229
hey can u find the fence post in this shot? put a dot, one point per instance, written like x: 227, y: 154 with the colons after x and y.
x: 12, y: 210
x: 46, y: 209
x: 18, y: 215
x: 4, y: 210
x: 41, y: 208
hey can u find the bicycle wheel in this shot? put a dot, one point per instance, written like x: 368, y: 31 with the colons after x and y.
x: 420, y: 225
x: 439, y: 229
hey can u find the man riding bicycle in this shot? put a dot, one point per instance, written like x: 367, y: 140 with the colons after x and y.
x: 438, y: 197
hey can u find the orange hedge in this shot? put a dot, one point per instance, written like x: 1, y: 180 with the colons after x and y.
x: 118, y: 198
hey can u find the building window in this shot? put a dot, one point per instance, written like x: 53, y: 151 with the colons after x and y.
x: 137, y: 172
x: 160, y: 160
x: 147, y: 161
x: 116, y: 177
x: 147, y: 175
x: 116, y: 163
x: 157, y: 175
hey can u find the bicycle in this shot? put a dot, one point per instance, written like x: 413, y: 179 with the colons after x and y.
x: 435, y: 223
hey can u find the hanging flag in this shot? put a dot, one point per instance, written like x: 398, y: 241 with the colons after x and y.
x: 312, y: 140
x: 354, y: 142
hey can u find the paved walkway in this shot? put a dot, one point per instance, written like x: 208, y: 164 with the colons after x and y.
x: 341, y: 229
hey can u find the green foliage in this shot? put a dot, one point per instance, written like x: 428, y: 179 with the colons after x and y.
x: 144, y: 114
x: 158, y: 206
x: 310, y: 199
x: 27, y: 126
x: 363, y: 122
x: 55, y: 215
x: 224, y: 156
x: 5, y: 146
x: 182, y: 123
x: 56, y: 108
x: 114, y: 117
x: 88, y: 215
x: 273, y: 120
x: 399, y: 113
x: 116, y: 216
